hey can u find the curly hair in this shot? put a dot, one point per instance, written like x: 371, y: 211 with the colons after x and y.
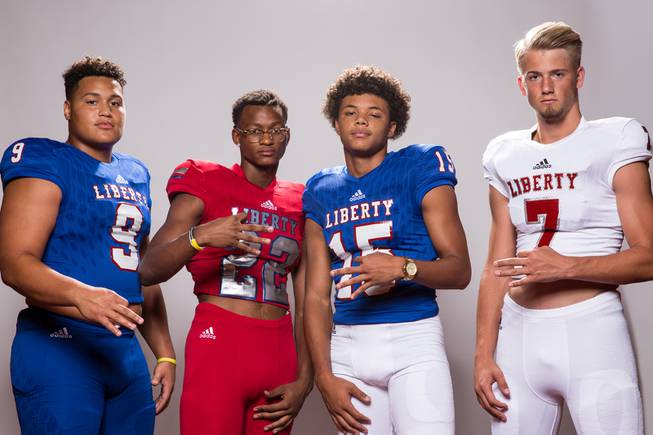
x: 260, y: 97
x: 91, y: 66
x: 367, y: 79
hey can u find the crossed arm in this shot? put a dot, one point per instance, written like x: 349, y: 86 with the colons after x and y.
x: 632, y: 187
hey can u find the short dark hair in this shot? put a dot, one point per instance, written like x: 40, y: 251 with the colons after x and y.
x: 91, y: 66
x: 367, y: 79
x: 260, y: 97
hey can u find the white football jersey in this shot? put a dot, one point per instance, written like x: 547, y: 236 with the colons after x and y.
x: 560, y: 194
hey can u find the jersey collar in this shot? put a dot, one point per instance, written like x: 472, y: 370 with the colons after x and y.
x: 580, y: 127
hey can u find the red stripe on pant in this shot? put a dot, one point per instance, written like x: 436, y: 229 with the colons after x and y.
x: 230, y: 360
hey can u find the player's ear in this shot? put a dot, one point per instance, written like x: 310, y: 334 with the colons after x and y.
x: 580, y: 77
x: 336, y: 126
x: 392, y: 129
x: 520, y: 83
x: 66, y: 110
x: 235, y: 136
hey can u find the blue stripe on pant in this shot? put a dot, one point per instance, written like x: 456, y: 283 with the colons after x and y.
x: 71, y: 377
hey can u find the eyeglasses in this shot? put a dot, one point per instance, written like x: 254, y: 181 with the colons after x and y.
x: 255, y: 135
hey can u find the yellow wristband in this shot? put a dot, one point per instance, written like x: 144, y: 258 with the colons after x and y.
x: 192, y: 241
x: 166, y: 359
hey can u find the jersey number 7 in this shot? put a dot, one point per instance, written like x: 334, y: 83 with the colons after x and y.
x: 547, y: 210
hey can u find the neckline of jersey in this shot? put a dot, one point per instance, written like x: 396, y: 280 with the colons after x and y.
x: 387, y: 158
x: 580, y: 127
x: 236, y: 169
x: 91, y: 159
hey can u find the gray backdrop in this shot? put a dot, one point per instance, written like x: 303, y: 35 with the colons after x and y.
x: 186, y: 62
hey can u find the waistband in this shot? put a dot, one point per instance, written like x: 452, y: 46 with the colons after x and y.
x: 381, y: 328
x: 215, y: 311
x: 598, y: 302
x: 44, y: 318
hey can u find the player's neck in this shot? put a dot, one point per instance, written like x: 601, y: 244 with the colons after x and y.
x: 552, y: 131
x: 98, y: 153
x: 360, y: 165
x: 261, y: 177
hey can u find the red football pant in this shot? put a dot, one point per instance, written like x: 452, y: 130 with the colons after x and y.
x: 230, y: 360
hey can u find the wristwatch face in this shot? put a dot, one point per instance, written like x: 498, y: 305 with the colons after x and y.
x: 411, y: 269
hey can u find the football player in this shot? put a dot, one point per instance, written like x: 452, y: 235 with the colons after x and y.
x: 385, y: 227
x: 563, y: 195
x: 75, y: 219
x: 239, y: 232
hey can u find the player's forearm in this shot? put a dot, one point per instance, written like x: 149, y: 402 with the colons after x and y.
x: 30, y: 277
x: 155, y: 329
x: 491, y: 292
x: 304, y: 366
x: 451, y: 272
x: 164, y: 259
x: 629, y: 266
x: 317, y: 322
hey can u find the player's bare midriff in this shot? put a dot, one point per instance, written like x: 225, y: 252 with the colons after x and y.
x: 243, y: 307
x: 74, y: 312
x: 541, y: 296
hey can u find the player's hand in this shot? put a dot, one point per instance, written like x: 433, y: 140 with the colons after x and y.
x: 164, y: 375
x: 286, y: 401
x: 108, y: 308
x: 539, y: 265
x: 231, y: 232
x: 337, y: 394
x: 376, y: 269
x: 486, y: 373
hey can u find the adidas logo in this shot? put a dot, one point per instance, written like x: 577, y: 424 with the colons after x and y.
x: 62, y: 333
x: 121, y: 180
x: 269, y: 205
x: 358, y: 195
x: 208, y: 333
x: 544, y: 164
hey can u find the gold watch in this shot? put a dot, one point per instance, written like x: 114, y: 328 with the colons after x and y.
x: 409, y: 269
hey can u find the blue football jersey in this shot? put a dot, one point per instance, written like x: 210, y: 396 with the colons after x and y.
x: 103, y: 217
x: 380, y: 212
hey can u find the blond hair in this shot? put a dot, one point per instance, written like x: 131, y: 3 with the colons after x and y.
x: 549, y: 36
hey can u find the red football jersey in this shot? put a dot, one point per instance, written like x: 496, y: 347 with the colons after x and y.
x: 231, y: 272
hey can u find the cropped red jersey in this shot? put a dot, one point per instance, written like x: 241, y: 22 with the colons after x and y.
x: 231, y: 272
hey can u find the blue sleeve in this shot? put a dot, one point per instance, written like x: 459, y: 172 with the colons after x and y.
x: 31, y: 158
x: 311, y: 207
x: 433, y: 168
x: 149, y: 185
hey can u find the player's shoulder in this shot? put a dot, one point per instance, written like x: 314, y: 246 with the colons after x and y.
x: 506, y: 140
x: 325, y: 177
x: 203, y: 167
x: 420, y: 152
x: 616, y: 125
x: 130, y: 160
x: 612, y: 123
x: 36, y: 151
x: 137, y: 170
x: 290, y: 186
x: 36, y: 146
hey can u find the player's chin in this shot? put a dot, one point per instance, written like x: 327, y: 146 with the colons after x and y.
x: 267, y: 162
x: 104, y: 139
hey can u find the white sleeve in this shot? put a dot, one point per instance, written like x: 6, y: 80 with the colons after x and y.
x: 633, y: 146
x: 490, y: 171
